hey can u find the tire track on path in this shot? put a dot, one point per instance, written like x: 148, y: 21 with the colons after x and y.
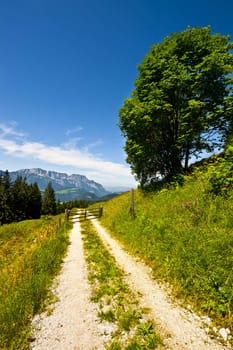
x: 179, y: 328
x: 73, y: 324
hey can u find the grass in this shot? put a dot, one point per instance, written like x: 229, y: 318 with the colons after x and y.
x: 30, y: 255
x: 117, y: 303
x: 186, y: 235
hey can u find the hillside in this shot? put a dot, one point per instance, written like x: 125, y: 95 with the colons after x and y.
x: 185, y: 234
x: 67, y: 187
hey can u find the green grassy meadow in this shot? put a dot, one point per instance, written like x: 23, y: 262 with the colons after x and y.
x: 67, y: 190
x: 185, y: 234
x: 30, y: 255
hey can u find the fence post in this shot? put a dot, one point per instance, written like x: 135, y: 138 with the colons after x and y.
x: 67, y: 214
x: 132, y: 211
x: 100, y: 211
x: 58, y: 223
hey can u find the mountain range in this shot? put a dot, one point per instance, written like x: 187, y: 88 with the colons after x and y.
x: 66, y: 187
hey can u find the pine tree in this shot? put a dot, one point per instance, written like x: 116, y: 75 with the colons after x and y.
x: 49, y: 206
x: 6, y: 199
x: 19, y: 196
x: 34, y: 201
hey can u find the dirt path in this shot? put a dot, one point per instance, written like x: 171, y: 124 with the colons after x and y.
x: 74, y: 324
x: 181, y: 329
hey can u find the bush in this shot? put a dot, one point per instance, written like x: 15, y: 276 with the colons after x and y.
x: 221, y: 175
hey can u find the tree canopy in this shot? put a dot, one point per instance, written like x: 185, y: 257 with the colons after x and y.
x: 18, y: 200
x: 181, y: 104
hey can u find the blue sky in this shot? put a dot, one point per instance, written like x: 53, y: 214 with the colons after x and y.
x: 66, y: 67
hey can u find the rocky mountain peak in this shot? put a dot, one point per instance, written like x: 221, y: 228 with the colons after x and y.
x: 78, y: 185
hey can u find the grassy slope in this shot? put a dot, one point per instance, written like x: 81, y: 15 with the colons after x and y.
x: 186, y: 236
x: 30, y: 255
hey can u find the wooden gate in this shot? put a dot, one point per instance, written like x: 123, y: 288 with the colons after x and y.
x: 89, y: 214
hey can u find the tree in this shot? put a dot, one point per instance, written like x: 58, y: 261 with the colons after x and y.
x: 26, y: 200
x: 2, y: 201
x: 35, y: 202
x: 181, y: 104
x: 5, y: 198
x: 20, y: 200
x: 49, y: 201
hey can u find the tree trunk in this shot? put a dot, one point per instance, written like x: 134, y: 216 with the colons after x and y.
x: 187, y: 153
x: 186, y: 163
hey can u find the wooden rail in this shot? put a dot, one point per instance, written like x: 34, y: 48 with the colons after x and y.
x: 89, y: 214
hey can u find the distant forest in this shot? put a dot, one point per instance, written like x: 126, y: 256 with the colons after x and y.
x: 21, y: 201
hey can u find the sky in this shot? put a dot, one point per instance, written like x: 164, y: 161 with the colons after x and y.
x: 66, y: 67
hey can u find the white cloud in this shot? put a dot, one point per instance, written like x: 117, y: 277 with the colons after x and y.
x: 74, y: 130
x: 92, y: 145
x: 68, y: 155
x: 10, y: 130
x: 72, y: 142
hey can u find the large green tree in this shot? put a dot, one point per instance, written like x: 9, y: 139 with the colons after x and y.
x: 181, y: 104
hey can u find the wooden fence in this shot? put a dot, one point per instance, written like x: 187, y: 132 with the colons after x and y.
x: 90, y: 214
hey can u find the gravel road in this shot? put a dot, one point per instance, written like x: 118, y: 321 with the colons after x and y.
x: 73, y: 324
x: 180, y: 328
